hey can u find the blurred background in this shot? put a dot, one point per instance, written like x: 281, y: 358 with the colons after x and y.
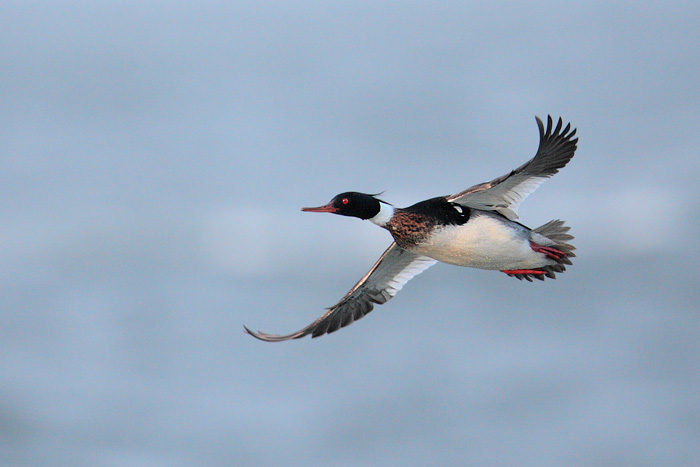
x: 154, y: 157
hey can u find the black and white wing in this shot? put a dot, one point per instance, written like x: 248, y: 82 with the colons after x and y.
x: 504, y: 194
x: 388, y: 275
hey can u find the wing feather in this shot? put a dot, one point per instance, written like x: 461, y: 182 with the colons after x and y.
x: 504, y: 194
x: 389, y: 274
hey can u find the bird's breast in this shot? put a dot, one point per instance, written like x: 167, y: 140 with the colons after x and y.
x: 410, y: 229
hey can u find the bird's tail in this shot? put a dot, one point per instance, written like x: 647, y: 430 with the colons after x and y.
x: 559, y: 250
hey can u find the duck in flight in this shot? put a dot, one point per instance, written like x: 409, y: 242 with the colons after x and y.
x: 476, y: 228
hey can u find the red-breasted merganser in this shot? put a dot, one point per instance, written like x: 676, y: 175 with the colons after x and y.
x: 476, y: 228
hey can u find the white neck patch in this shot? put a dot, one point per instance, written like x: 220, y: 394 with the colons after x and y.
x: 386, y: 212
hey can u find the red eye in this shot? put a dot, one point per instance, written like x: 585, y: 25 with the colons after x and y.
x: 345, y: 201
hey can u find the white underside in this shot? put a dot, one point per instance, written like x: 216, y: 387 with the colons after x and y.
x: 484, y: 242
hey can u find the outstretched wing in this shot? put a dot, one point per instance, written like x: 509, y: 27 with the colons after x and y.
x: 388, y: 275
x: 504, y: 194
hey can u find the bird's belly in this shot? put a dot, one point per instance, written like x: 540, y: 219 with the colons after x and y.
x: 483, y: 242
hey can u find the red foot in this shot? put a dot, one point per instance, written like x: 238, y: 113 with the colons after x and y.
x: 549, y: 251
x: 523, y: 271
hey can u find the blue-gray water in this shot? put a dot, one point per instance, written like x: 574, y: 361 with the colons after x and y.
x: 154, y: 157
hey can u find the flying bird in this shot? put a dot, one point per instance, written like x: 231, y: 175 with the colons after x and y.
x: 476, y: 228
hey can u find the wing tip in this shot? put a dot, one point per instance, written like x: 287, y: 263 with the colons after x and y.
x: 557, y: 146
x: 540, y: 127
x: 558, y: 131
x: 265, y: 337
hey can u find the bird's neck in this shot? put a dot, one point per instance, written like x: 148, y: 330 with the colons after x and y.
x: 386, y: 212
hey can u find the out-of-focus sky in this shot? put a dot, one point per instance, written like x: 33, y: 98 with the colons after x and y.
x: 154, y: 157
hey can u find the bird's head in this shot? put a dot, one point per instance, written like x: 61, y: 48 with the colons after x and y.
x: 351, y: 203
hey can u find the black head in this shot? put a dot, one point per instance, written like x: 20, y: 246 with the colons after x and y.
x: 350, y: 203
